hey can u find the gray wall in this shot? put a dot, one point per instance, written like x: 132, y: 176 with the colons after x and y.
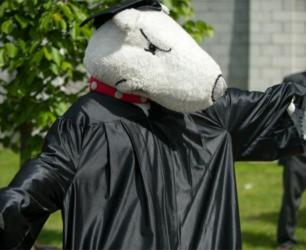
x: 230, y: 43
x: 278, y: 40
x: 256, y: 42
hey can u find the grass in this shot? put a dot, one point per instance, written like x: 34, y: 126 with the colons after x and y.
x: 260, y: 192
x: 259, y: 189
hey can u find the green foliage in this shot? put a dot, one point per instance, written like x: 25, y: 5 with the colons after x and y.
x: 41, y: 48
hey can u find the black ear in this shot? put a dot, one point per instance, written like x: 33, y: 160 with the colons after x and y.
x: 102, y: 17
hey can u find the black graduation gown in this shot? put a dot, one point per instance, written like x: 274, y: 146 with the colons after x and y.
x: 124, y: 180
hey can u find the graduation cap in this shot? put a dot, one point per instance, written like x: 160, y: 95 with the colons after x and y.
x: 105, y: 15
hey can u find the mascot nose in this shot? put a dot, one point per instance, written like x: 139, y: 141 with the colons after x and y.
x: 219, y: 88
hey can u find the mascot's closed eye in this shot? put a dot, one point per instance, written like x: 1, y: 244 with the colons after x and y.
x: 152, y: 47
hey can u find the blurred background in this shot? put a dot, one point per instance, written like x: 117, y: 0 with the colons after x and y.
x: 257, y: 43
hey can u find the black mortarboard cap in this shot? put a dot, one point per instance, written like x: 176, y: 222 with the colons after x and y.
x: 105, y: 15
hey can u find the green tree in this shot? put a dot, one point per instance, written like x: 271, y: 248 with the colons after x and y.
x: 41, y: 49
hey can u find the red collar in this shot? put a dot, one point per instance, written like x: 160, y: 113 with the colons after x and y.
x: 96, y: 85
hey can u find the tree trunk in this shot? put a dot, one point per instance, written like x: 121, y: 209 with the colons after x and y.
x: 25, y: 135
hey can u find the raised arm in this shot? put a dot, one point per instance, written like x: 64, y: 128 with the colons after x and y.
x: 39, y: 187
x: 266, y: 131
x: 259, y: 123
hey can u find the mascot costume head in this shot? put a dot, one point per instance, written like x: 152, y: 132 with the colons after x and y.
x: 138, y: 48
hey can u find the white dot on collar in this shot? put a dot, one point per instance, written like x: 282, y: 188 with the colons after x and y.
x: 118, y: 94
x: 93, y: 85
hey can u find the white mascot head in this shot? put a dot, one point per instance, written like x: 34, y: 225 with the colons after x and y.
x: 137, y: 48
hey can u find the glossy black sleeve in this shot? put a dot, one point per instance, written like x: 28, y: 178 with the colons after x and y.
x: 39, y: 187
x: 259, y: 124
